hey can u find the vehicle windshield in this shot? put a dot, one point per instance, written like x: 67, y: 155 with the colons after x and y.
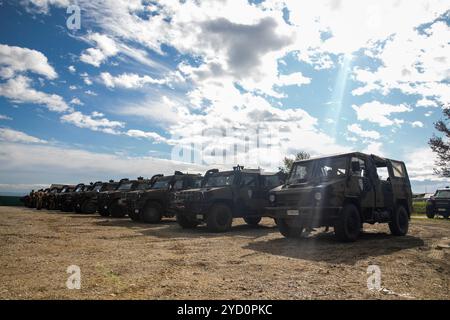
x: 97, y: 187
x: 143, y: 186
x: 63, y: 190
x: 442, y: 194
x: 162, y: 183
x: 220, y: 179
x: 328, y: 168
x: 125, y: 186
x: 79, y: 189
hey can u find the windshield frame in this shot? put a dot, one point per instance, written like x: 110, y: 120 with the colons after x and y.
x: 221, y: 174
x: 442, y: 191
x: 316, y: 164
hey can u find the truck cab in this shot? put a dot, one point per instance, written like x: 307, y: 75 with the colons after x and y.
x: 224, y: 195
x: 343, y: 191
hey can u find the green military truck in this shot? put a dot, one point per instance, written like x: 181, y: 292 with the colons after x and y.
x: 151, y: 205
x: 111, y: 203
x: 224, y: 195
x: 343, y: 191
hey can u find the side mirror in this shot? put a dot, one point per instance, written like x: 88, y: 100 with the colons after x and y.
x: 356, y: 167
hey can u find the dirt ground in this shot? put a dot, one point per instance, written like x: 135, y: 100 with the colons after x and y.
x: 120, y: 259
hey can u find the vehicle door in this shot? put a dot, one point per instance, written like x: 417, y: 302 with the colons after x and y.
x: 362, y: 182
x: 249, y: 198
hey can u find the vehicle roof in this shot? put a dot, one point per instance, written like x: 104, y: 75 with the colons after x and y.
x: 348, y: 154
x: 443, y: 189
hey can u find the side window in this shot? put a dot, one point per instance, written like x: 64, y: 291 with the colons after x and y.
x: 383, y: 173
x: 362, y: 165
x: 248, y: 180
x: 196, y: 183
x: 178, y: 185
x: 271, y: 181
x: 398, y: 169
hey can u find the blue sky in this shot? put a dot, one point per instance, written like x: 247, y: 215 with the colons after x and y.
x: 139, y: 79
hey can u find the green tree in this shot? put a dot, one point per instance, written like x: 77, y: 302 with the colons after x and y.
x: 288, y: 162
x: 441, y: 144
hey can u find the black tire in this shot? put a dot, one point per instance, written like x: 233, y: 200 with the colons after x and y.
x: 399, y: 224
x: 252, y: 221
x: 116, y: 210
x: 219, y: 218
x: 289, y: 231
x: 151, y: 213
x: 430, y: 213
x: 185, y: 222
x: 348, y: 226
x: 89, y: 207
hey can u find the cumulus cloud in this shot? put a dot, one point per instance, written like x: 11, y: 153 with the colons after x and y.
x: 15, y: 60
x: 94, y: 122
x: 417, y: 124
x: 356, y: 129
x: 379, y: 113
x: 128, y: 80
x: 3, y: 117
x: 105, y: 48
x: 10, y: 135
x: 18, y: 90
x: 146, y: 135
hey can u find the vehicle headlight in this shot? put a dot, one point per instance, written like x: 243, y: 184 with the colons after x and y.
x: 272, y: 198
x: 318, y: 196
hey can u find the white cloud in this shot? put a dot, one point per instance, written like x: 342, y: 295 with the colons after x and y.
x: 128, y: 80
x: 374, y: 148
x: 146, y: 135
x: 356, y: 129
x: 296, y: 78
x: 424, y: 102
x: 86, y: 79
x: 72, y: 87
x: 378, y: 112
x: 93, y: 122
x: 417, y: 124
x: 90, y: 93
x: 105, y: 48
x: 15, y: 60
x: 72, y: 69
x: 18, y: 90
x: 3, y: 117
x: 43, y: 6
x: 420, y: 163
x: 10, y: 135
x: 76, y: 101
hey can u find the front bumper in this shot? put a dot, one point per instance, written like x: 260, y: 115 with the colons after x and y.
x: 308, y: 215
x: 194, y: 210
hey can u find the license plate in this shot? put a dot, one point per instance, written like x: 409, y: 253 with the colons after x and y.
x: 442, y: 209
x: 292, y: 212
x: 106, y: 207
x: 136, y: 211
x: 199, y: 216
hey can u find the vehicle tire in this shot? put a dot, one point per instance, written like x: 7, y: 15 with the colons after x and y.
x: 103, y: 212
x: 400, y: 222
x: 219, y: 218
x: 185, y: 222
x: 252, y: 221
x: 77, y: 209
x: 151, y: 213
x: 348, y: 226
x: 430, y: 213
x: 134, y: 216
x: 89, y: 207
x: 287, y: 230
x: 116, y: 210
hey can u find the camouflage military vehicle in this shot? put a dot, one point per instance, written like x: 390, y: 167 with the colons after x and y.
x: 343, y: 191
x: 28, y: 199
x: 111, y: 203
x: 49, y: 201
x: 87, y: 201
x: 39, y: 198
x: 439, y: 204
x: 151, y: 205
x: 59, y: 197
x: 67, y: 198
x: 224, y: 195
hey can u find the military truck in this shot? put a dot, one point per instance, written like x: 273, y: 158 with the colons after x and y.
x: 59, y: 197
x: 343, y: 191
x: 87, y: 200
x: 224, y: 195
x: 111, y: 203
x: 151, y: 205
x: 66, y: 200
x: 50, y: 197
x: 439, y: 204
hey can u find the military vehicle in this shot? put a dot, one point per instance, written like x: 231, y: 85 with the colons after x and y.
x: 111, y: 203
x: 439, y: 204
x: 60, y: 196
x: 66, y: 199
x: 151, y: 205
x: 343, y: 191
x: 39, y: 198
x: 224, y: 195
x: 86, y: 201
x: 28, y: 199
x: 49, y: 201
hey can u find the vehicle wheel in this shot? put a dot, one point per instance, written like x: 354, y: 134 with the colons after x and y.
x: 151, y: 213
x: 103, y: 212
x: 287, y: 230
x: 252, y: 221
x: 430, y: 213
x: 219, y: 218
x: 89, y: 207
x: 348, y: 226
x: 185, y: 222
x: 400, y: 222
x: 116, y: 210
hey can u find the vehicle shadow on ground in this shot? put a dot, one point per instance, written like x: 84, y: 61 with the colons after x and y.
x: 323, y: 247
